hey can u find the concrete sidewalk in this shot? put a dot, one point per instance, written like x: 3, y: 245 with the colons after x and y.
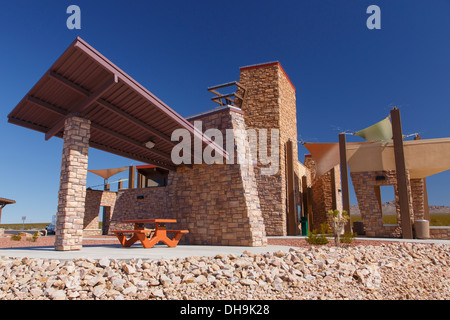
x: 116, y: 251
x: 375, y: 239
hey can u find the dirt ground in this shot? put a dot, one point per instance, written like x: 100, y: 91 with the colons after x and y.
x: 49, y: 241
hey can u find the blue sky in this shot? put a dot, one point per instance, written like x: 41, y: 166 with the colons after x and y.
x: 347, y: 76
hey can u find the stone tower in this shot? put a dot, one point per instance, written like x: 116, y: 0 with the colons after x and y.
x: 270, y: 104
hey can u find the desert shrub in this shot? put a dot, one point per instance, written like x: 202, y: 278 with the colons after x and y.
x: 35, y: 236
x: 315, y: 238
x: 16, y: 237
x: 325, y: 228
x: 348, y: 237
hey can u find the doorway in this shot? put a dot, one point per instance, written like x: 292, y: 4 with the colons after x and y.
x: 387, y: 204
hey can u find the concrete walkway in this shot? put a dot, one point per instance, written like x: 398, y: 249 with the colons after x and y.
x: 377, y: 239
x: 116, y: 251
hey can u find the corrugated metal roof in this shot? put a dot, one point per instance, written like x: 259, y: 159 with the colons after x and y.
x: 124, y: 115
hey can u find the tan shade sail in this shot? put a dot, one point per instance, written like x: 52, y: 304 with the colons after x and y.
x: 107, y: 173
x: 423, y: 158
x: 380, y: 131
x: 326, y: 155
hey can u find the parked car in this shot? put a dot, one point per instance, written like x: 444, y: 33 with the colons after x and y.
x: 51, y: 228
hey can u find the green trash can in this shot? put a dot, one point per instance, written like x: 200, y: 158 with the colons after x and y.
x: 304, y: 223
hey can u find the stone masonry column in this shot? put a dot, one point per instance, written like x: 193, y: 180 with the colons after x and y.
x: 72, y: 190
x: 270, y: 104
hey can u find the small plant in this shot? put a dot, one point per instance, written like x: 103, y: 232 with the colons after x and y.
x: 36, y: 236
x: 314, y: 238
x: 348, y: 237
x: 16, y: 237
x: 325, y: 228
x: 338, y: 221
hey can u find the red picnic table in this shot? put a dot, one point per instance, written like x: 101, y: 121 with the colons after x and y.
x: 149, y: 237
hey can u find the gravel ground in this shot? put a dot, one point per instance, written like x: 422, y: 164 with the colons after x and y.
x: 393, y: 271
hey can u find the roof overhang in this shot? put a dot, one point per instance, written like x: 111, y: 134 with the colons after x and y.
x: 124, y: 115
x: 4, y: 202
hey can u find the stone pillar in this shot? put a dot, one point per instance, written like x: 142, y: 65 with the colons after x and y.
x: 72, y: 190
x: 270, y: 104
x: 325, y: 193
x: 418, y: 196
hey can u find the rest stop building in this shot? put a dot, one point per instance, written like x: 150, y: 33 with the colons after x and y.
x: 89, y: 102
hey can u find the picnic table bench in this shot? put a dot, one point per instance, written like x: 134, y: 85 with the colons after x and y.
x: 149, y: 237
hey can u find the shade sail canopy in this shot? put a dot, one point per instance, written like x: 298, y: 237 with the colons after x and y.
x: 124, y: 115
x: 423, y: 158
x: 108, y: 173
x: 326, y: 155
x: 380, y: 131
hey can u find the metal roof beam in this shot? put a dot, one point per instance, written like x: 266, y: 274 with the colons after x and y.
x: 47, y: 106
x: 95, y: 145
x: 135, y: 121
x: 130, y: 156
x: 130, y: 141
x: 69, y: 84
x: 84, y: 104
x: 101, y: 128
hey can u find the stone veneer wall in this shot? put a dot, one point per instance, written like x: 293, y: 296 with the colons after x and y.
x: 440, y: 233
x: 364, y: 184
x: 418, y: 197
x: 217, y: 203
x: 72, y: 190
x: 140, y: 203
x: 326, y: 194
x: 94, y: 200
x: 270, y: 104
